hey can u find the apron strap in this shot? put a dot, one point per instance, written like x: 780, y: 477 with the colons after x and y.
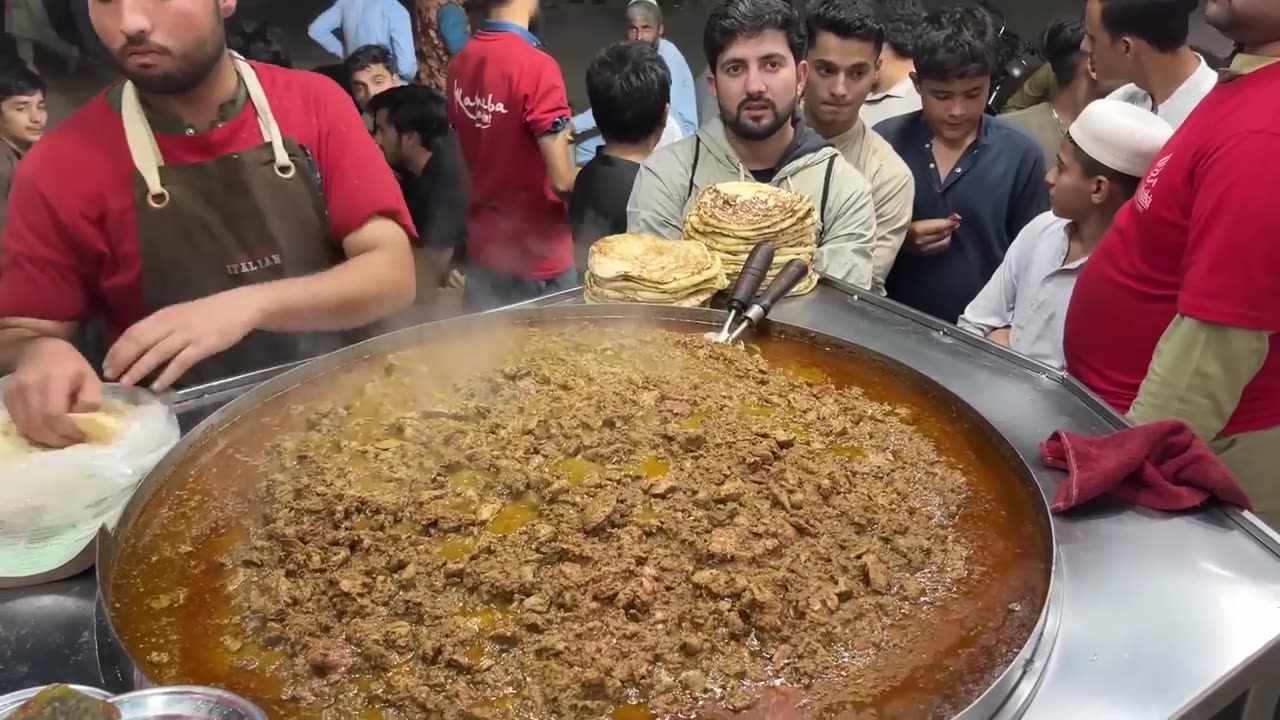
x: 146, y: 153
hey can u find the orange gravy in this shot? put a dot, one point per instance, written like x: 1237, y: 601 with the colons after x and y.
x: 170, y: 606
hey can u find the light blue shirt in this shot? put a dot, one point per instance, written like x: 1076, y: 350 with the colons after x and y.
x: 684, y: 103
x: 368, y: 22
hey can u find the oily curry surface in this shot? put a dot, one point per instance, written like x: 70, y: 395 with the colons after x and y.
x: 589, y: 522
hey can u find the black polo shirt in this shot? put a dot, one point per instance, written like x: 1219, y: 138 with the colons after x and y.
x: 437, y: 199
x: 598, y: 206
x: 997, y: 187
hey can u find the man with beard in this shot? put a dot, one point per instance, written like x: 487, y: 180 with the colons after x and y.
x: 845, y: 41
x: 222, y: 215
x: 507, y: 102
x: 644, y: 23
x: 979, y: 180
x: 755, y: 50
x: 411, y: 125
x: 1177, y: 313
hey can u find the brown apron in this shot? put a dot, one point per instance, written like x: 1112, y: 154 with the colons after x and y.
x: 239, y: 219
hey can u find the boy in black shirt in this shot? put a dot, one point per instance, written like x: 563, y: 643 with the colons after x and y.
x: 630, y: 87
x: 411, y: 127
x: 979, y: 180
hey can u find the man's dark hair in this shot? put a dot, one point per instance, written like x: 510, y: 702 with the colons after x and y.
x: 18, y: 80
x: 414, y: 109
x: 257, y: 40
x: 901, y: 22
x: 651, y: 8
x: 846, y: 19
x: 365, y: 57
x: 1162, y: 24
x: 629, y: 86
x: 732, y: 20
x: 955, y: 42
x: 1062, y: 50
x: 1128, y: 184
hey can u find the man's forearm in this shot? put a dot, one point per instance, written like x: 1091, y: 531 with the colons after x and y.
x: 366, y: 287
x: 1197, y: 374
x: 14, y: 342
x: 17, y: 334
x: 558, y: 157
x: 322, y: 34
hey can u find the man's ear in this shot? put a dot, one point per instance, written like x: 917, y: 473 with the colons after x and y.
x: 711, y: 82
x: 226, y: 8
x: 1100, y: 189
x: 802, y: 76
x: 915, y: 80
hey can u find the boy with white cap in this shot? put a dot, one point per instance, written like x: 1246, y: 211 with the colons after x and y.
x: 1099, y: 165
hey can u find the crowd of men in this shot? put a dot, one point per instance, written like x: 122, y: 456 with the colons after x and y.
x: 1115, y: 222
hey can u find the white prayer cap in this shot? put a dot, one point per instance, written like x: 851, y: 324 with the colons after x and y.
x: 651, y: 2
x: 1120, y: 136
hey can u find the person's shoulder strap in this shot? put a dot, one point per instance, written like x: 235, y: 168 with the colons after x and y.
x: 826, y: 190
x: 693, y: 167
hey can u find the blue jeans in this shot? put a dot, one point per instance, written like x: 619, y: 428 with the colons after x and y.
x: 486, y: 289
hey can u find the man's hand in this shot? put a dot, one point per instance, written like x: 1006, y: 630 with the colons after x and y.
x: 999, y: 336
x: 180, y: 336
x: 51, y: 380
x: 930, y: 237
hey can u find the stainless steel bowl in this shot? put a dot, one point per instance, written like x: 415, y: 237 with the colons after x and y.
x: 186, y: 702
x: 181, y: 702
x: 14, y: 700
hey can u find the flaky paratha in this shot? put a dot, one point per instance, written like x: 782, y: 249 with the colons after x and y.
x: 647, y: 259
x: 594, y: 293
x: 801, y: 237
x: 749, y: 206
x: 713, y: 275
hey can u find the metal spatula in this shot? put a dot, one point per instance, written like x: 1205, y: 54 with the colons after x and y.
x: 745, y: 288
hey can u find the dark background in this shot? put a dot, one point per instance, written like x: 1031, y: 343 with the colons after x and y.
x: 573, y: 32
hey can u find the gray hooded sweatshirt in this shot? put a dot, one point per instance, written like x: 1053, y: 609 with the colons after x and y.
x: 668, y: 183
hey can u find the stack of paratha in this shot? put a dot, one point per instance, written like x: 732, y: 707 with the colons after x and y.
x: 732, y: 217
x: 648, y: 269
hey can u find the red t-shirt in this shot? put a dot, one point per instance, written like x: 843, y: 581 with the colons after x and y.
x: 70, y: 248
x: 503, y: 95
x: 1201, y: 238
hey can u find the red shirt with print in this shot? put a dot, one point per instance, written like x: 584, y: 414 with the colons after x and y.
x: 504, y: 94
x: 70, y: 248
x: 1201, y: 238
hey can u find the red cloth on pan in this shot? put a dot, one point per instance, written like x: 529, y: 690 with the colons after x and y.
x: 1162, y: 466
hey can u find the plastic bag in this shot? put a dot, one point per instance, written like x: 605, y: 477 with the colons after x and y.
x: 52, y: 502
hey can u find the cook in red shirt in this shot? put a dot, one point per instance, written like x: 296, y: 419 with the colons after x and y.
x: 1176, y: 314
x: 222, y: 216
x: 508, y: 105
